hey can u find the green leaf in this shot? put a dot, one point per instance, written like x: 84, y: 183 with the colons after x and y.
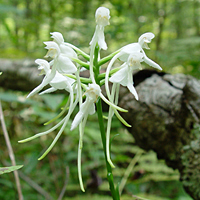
x: 53, y: 101
x: 4, y: 170
x: 16, y: 97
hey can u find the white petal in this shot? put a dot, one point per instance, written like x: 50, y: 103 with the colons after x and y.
x: 93, y: 92
x: 51, y: 45
x: 151, y: 63
x: 132, y: 90
x: 43, y: 65
x: 92, y: 109
x: 68, y: 51
x: 134, y: 60
x: 62, y: 82
x: 53, y: 48
x: 101, y: 39
x: 58, y: 37
x: 129, y: 49
x: 120, y: 76
x: 64, y: 65
x: 77, y: 120
x: 49, y: 90
x: 102, y: 16
x: 130, y: 85
x: 61, y: 85
x: 145, y: 38
x: 93, y: 38
x: 41, y: 62
x: 45, y: 81
x: 84, y: 110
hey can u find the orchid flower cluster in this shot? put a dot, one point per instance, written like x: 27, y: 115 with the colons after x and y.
x: 63, y: 73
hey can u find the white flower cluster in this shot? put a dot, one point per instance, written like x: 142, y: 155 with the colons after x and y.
x: 62, y: 73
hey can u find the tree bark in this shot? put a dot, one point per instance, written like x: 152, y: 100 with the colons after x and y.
x: 163, y: 120
x: 19, y: 74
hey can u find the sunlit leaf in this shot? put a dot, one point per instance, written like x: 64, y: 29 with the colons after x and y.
x: 4, y: 170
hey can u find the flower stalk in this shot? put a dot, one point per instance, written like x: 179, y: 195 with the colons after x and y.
x: 104, y: 140
x: 113, y: 190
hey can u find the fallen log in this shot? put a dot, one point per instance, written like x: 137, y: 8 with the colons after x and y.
x: 19, y: 75
x: 163, y: 120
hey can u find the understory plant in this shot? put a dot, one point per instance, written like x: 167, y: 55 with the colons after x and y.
x: 62, y: 72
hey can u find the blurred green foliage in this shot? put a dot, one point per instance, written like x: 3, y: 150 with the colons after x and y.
x: 25, y: 24
x: 150, y: 178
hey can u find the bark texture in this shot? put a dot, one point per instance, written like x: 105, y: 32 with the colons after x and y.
x: 163, y: 120
x: 19, y: 74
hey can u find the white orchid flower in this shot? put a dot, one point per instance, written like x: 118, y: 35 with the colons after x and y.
x: 60, y: 82
x: 87, y: 108
x: 61, y: 61
x: 102, y: 16
x: 115, y: 92
x: 53, y: 49
x: 64, y: 85
x: 144, y: 39
x: 125, y: 75
x: 92, y: 93
x: 58, y: 37
x: 68, y: 51
x: 127, y: 56
x: 50, y: 74
x: 135, y: 47
x: 63, y: 122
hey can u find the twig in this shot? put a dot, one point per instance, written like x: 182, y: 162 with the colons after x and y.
x: 54, y: 173
x: 65, y: 184
x: 35, y: 186
x: 192, y: 112
x: 139, y: 197
x: 11, y: 153
x: 129, y: 170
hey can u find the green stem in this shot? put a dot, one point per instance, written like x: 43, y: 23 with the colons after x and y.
x: 86, y: 56
x: 102, y: 75
x: 114, y: 193
x: 82, y: 79
x: 107, y: 58
x: 95, y: 64
x: 83, y: 64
